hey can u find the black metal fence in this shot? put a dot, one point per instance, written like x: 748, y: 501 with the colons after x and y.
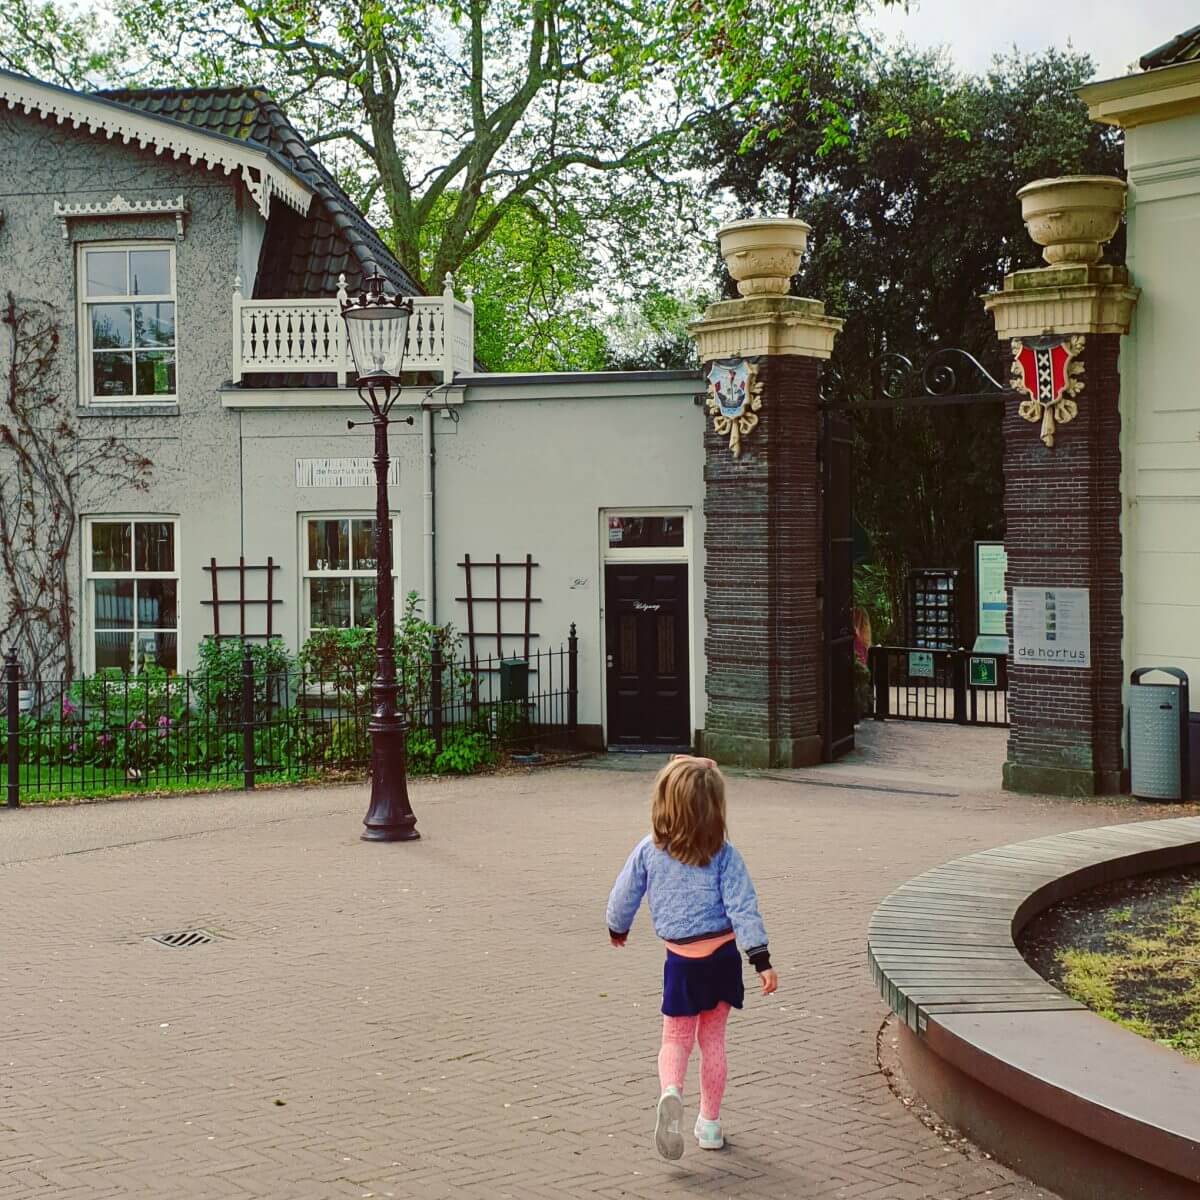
x: 958, y: 686
x: 115, y: 732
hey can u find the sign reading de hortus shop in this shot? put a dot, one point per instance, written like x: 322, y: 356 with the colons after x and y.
x: 1052, y: 627
x: 341, y: 472
x: 1046, y: 370
x: 734, y: 399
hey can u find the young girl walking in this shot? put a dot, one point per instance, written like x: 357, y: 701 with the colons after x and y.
x: 703, y: 906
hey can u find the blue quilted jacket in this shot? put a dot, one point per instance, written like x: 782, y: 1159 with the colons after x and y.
x: 688, y: 903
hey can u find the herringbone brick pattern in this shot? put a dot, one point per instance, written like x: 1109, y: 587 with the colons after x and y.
x: 446, y: 1018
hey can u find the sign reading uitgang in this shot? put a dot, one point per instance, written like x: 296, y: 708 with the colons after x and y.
x: 1052, y: 627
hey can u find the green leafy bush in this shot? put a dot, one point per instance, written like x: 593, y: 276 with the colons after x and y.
x: 463, y: 751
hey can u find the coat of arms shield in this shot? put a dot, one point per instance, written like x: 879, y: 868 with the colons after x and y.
x: 734, y: 398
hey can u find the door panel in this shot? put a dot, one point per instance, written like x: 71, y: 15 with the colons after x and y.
x: 647, y: 652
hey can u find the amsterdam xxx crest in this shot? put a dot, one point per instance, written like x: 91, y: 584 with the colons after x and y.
x: 734, y: 399
x: 1046, y: 370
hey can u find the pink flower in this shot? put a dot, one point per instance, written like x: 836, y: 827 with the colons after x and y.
x: 72, y: 746
x: 164, y: 722
x: 137, y: 724
x: 105, y: 739
x: 67, y: 707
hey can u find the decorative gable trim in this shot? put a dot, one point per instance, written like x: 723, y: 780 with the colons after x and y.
x: 262, y: 174
x: 118, y: 206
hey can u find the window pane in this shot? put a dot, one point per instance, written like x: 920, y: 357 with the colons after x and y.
x: 112, y: 326
x: 111, y: 546
x: 156, y: 373
x: 113, y: 603
x: 114, y: 650
x: 150, y: 272
x: 649, y: 532
x: 106, y: 273
x: 154, y: 545
x: 329, y: 545
x: 154, y: 324
x: 330, y: 603
x: 157, y: 650
x: 364, y: 545
x: 364, y: 601
x: 156, y: 603
x: 113, y: 375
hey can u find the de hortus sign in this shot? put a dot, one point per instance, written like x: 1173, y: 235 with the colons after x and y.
x: 1052, y: 627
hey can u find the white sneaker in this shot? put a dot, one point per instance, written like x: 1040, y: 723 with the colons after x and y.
x: 708, y: 1134
x: 667, y: 1135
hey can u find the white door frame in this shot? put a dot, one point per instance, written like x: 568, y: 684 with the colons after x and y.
x: 659, y: 554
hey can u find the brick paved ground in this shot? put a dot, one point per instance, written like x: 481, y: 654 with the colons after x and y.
x: 446, y: 1018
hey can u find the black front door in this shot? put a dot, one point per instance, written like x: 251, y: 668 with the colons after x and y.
x: 646, y: 642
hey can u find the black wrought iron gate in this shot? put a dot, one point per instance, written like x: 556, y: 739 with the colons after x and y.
x: 838, y: 593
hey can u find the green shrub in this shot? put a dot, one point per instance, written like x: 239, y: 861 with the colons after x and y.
x: 463, y: 751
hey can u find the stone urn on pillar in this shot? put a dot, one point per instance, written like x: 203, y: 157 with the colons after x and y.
x: 763, y: 253
x: 1073, y: 216
x: 762, y: 356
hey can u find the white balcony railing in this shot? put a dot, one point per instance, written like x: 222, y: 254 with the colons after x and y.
x: 308, y: 337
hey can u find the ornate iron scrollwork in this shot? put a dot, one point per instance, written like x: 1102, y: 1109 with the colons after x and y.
x: 949, y: 375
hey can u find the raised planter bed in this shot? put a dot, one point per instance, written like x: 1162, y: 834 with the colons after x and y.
x: 1071, y: 1100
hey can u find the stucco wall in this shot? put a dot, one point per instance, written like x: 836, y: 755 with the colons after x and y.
x: 194, y: 447
x: 1160, y: 374
x: 524, y: 470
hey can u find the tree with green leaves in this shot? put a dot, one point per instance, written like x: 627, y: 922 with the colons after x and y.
x: 914, y: 217
x: 455, y: 114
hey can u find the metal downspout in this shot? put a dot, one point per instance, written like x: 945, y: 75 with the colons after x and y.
x: 430, y: 560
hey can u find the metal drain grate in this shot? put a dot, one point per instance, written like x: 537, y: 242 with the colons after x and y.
x: 183, y: 937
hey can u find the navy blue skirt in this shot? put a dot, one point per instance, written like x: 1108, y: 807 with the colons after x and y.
x: 694, y: 985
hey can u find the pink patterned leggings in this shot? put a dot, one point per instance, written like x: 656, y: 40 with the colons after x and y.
x: 678, y: 1036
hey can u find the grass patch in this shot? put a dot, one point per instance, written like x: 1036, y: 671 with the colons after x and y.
x: 1146, y: 978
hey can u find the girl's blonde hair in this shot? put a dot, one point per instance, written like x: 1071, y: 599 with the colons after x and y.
x: 687, y: 814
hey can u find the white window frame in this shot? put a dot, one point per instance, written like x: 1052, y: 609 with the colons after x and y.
x: 307, y: 573
x: 84, y: 325
x: 90, y: 576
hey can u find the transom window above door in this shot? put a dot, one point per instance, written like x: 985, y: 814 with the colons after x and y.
x: 339, y: 569
x: 127, y: 295
x: 647, y: 535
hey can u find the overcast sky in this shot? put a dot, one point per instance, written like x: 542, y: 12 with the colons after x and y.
x: 1116, y: 33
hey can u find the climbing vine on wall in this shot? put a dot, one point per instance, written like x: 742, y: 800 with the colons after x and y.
x: 46, y: 477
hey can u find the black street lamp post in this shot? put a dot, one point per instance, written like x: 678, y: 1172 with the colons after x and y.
x: 377, y: 327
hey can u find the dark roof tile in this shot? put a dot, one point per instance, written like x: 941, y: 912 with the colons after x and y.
x: 1184, y: 47
x: 299, y: 258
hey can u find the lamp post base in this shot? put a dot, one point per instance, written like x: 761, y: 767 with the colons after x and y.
x: 390, y: 817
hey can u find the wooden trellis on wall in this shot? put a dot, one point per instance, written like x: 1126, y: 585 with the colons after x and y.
x: 241, y: 600
x: 511, y: 624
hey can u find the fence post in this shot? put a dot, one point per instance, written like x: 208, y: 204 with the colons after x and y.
x: 573, y: 684
x: 959, y: 659
x: 12, y: 701
x: 436, y: 667
x: 878, y: 661
x: 247, y: 717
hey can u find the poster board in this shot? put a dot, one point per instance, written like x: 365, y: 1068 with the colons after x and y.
x: 991, y: 600
x: 1052, y: 627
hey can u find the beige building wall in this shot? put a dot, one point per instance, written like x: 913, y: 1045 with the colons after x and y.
x: 1160, y: 400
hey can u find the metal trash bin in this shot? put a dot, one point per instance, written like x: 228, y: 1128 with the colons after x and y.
x: 1159, y: 736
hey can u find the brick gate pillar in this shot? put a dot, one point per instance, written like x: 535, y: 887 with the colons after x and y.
x: 762, y: 507
x: 1063, y: 516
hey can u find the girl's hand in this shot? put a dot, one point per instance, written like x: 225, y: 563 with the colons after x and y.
x: 617, y: 939
x: 769, y: 981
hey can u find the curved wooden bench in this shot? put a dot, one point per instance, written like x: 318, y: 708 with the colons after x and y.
x: 1072, y: 1100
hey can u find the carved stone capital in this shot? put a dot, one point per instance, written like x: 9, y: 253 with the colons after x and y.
x: 763, y: 325
x: 1076, y: 299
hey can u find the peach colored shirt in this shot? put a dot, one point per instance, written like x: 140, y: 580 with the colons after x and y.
x: 700, y: 949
